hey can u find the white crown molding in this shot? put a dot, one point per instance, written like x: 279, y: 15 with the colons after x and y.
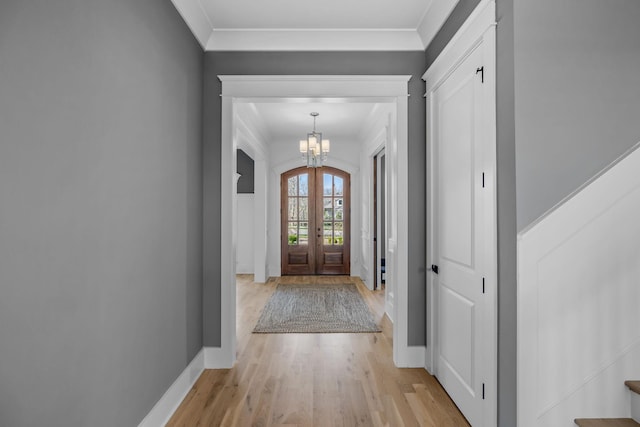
x: 196, y: 19
x: 314, y: 40
x: 433, y: 19
x: 323, y: 39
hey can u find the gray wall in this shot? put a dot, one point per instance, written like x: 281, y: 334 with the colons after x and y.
x: 245, y: 167
x: 454, y: 21
x: 100, y: 213
x: 577, y: 94
x: 507, y: 230
x: 230, y: 63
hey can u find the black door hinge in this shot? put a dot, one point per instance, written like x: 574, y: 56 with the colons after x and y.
x: 483, y: 285
x: 482, y: 179
x: 482, y: 391
x: 434, y: 268
x: 481, y: 71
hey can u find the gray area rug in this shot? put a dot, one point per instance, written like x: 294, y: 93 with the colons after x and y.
x: 316, y: 309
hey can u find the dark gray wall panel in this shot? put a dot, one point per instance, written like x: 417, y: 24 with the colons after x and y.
x: 100, y: 212
x: 245, y: 167
x: 231, y: 63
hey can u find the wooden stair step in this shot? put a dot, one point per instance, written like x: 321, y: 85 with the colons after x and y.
x: 606, y: 422
x: 634, y: 386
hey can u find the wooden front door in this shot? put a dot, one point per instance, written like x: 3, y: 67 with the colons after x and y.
x: 315, y: 221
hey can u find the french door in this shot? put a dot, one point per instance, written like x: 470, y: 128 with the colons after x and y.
x: 315, y: 221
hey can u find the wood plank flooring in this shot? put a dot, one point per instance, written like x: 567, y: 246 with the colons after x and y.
x: 314, y: 379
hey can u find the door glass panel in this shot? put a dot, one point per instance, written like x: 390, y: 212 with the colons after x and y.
x: 328, y: 214
x: 303, y: 208
x: 304, y: 184
x: 293, y: 233
x: 338, y: 233
x: 293, y: 186
x: 338, y: 186
x: 293, y: 208
x: 338, y: 203
x: 303, y: 233
x: 327, y: 184
x: 327, y: 233
x: 327, y: 203
x: 338, y: 214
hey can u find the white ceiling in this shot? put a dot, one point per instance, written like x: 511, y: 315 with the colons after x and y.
x: 315, y: 25
x: 307, y: 14
x: 292, y: 121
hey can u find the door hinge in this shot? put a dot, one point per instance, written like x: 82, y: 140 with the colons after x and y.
x: 483, y: 285
x: 482, y: 179
x: 482, y: 391
x: 434, y: 268
x: 481, y: 71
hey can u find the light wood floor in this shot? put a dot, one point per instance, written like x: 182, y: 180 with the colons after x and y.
x: 314, y: 379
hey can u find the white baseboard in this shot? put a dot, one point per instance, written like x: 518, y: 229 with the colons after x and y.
x: 244, y: 268
x: 635, y: 406
x: 217, y: 358
x: 411, y: 357
x: 169, y: 402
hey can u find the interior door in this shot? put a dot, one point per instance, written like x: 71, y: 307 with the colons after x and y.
x: 315, y: 211
x: 459, y: 236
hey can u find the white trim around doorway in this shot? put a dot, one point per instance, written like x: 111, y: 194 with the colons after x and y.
x: 392, y: 89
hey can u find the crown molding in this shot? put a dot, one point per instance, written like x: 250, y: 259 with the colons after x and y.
x: 434, y: 17
x: 283, y: 39
x: 196, y: 19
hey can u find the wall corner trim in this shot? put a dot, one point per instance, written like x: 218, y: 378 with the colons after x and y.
x: 172, y: 398
x: 411, y: 357
x: 217, y: 358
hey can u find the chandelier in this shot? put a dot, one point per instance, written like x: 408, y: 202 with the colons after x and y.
x: 314, y: 149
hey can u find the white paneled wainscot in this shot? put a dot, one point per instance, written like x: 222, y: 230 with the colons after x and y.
x: 579, y: 300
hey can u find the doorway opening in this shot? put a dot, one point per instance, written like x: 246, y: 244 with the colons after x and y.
x: 391, y: 91
x: 315, y: 221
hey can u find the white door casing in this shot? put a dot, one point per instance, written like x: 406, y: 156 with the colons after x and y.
x: 392, y: 89
x: 461, y: 223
